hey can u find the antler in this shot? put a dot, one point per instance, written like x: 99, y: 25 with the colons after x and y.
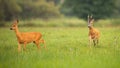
x: 88, y: 18
x: 91, y: 16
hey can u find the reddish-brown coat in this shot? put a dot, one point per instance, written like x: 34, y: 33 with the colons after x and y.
x: 94, y: 33
x: 27, y: 37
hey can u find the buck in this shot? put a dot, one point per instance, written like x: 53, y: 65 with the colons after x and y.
x: 94, y: 33
x: 27, y: 37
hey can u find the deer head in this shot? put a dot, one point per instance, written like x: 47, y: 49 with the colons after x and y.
x: 90, y: 21
x: 14, y: 25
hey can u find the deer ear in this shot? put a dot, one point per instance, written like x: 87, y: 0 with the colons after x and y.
x: 17, y: 20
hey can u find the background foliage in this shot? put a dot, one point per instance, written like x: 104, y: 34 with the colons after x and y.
x: 10, y: 9
x: 38, y: 8
x: 46, y: 9
x: 100, y: 9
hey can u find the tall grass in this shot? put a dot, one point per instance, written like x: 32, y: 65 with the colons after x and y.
x: 64, y: 22
x: 66, y: 48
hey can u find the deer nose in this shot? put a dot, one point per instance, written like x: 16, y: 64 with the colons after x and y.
x: 10, y: 28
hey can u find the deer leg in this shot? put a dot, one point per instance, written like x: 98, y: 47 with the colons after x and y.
x: 42, y: 41
x: 97, y: 41
x: 90, y: 40
x: 94, y: 41
x: 25, y: 46
x: 19, y: 47
x: 37, y: 44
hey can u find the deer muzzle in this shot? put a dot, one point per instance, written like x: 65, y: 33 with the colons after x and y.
x: 11, y: 29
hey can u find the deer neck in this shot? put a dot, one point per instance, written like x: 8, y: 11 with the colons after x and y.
x: 17, y: 32
x: 90, y: 27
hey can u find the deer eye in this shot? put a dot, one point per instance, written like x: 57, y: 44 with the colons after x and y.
x: 13, y: 25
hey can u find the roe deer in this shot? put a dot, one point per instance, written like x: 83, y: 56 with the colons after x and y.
x: 27, y: 37
x: 94, y: 33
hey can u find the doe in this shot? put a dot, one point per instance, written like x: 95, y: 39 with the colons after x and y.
x: 27, y: 37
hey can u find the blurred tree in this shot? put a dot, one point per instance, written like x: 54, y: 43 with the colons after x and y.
x: 100, y: 9
x: 118, y: 7
x: 8, y: 9
x: 38, y: 8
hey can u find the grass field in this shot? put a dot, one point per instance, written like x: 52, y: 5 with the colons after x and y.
x: 66, y: 48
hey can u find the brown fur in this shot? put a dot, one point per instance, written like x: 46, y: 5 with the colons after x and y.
x: 27, y: 37
x: 94, y: 33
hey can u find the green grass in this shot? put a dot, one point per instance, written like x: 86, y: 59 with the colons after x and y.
x: 66, y: 48
x: 62, y: 22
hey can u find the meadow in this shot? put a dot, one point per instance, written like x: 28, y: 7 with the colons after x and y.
x: 67, y: 47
